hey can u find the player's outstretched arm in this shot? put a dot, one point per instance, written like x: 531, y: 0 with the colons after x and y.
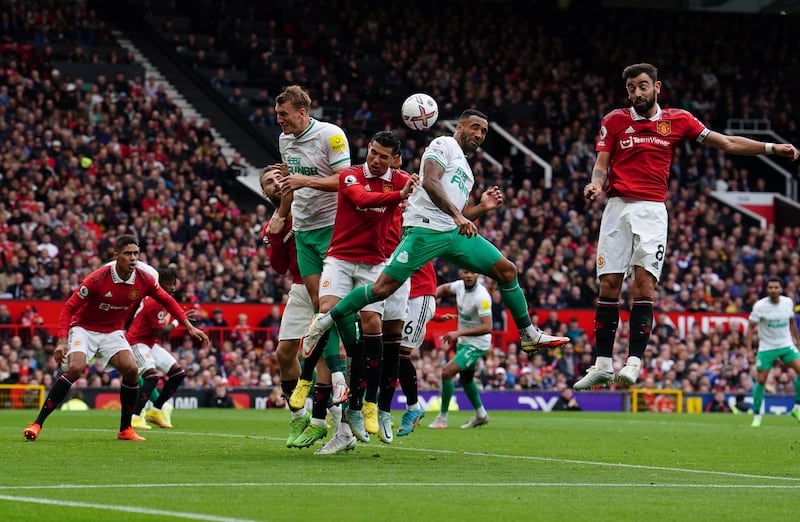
x: 742, y: 146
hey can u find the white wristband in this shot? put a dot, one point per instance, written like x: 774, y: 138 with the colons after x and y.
x: 175, y: 323
x: 768, y: 148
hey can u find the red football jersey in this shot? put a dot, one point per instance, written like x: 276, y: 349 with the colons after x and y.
x: 423, y: 282
x: 366, y: 210
x: 150, y: 318
x: 103, y: 301
x: 641, y: 149
x: 394, y: 232
x: 283, y: 251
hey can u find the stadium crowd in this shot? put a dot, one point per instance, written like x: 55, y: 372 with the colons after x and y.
x: 86, y: 159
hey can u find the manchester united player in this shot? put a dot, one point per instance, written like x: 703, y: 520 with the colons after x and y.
x: 421, y: 309
x: 151, y: 323
x: 368, y: 196
x: 634, y: 152
x: 91, y: 324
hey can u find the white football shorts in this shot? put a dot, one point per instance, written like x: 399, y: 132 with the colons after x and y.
x: 297, y: 314
x: 155, y: 358
x: 340, y: 277
x: 420, y: 312
x: 97, y: 345
x: 396, y: 305
x: 632, y: 233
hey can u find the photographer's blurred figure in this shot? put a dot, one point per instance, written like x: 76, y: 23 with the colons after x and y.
x: 219, y: 396
x: 567, y: 401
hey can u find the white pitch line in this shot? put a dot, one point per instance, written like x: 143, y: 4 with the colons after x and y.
x: 380, y: 484
x: 503, y: 456
x: 125, y: 509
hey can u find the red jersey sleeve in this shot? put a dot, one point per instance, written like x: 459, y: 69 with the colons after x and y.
x: 354, y: 192
x: 283, y: 252
x: 167, y: 301
x: 70, y: 308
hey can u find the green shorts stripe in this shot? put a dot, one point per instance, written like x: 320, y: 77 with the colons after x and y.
x: 766, y: 359
x: 420, y: 245
x: 311, y: 248
x: 467, y: 355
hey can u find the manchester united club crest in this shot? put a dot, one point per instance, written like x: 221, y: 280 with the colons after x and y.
x: 387, y: 188
x: 664, y: 127
x: 601, y: 261
x: 133, y: 294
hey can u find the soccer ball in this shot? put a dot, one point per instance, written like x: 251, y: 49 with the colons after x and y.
x: 420, y: 111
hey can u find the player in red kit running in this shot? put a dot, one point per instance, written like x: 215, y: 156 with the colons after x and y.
x: 92, y: 324
x: 634, y: 152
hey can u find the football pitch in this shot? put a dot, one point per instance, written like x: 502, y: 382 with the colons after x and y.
x: 233, y: 466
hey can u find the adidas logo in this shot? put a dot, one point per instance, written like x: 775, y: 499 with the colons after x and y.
x: 655, y: 265
x: 108, y: 294
x: 629, y: 130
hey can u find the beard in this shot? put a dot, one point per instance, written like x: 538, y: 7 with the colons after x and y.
x: 643, y: 106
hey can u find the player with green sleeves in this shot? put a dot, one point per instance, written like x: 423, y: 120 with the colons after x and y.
x: 778, y: 339
x: 472, y: 338
x: 438, y: 223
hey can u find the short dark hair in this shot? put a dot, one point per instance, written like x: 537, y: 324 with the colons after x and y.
x: 167, y: 275
x: 387, y: 138
x: 472, y: 112
x: 632, y: 71
x: 125, y: 240
x: 775, y: 279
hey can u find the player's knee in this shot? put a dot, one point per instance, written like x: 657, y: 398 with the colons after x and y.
x: 383, y: 288
x: 504, y: 271
x: 74, y: 372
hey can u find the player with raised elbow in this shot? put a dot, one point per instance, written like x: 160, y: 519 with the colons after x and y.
x: 91, y: 325
x: 438, y: 223
x: 778, y: 340
x: 634, y: 152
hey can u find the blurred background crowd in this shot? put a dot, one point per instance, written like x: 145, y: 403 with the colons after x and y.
x: 85, y: 159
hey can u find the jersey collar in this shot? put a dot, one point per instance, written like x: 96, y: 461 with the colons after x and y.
x: 635, y: 116
x: 386, y: 176
x: 117, y: 279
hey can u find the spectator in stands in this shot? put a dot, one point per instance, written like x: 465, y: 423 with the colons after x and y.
x: 6, y: 321
x: 717, y: 404
x: 566, y: 401
x: 219, y: 397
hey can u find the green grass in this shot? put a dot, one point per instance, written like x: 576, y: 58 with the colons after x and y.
x: 232, y: 465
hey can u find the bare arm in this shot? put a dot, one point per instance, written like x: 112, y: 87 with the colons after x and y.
x: 599, y: 176
x: 432, y: 183
x: 326, y: 184
x: 490, y: 200
x: 742, y: 146
x: 793, y: 330
x: 748, y: 337
x: 443, y: 290
x: 482, y: 329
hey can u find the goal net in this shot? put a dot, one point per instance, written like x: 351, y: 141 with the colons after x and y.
x: 21, y: 396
